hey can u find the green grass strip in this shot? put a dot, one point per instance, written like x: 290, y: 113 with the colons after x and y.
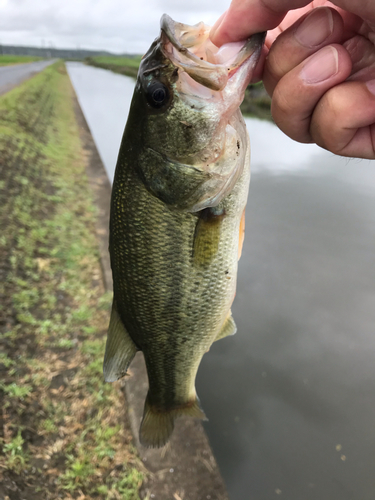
x: 63, y: 431
x: 7, y: 59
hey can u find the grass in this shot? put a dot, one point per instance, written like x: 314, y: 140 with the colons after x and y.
x: 7, y: 59
x: 132, y: 62
x: 124, y: 65
x: 257, y: 103
x: 63, y: 432
x: 16, y: 391
x: 14, y: 452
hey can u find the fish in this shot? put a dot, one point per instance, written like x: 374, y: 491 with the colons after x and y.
x: 177, y: 216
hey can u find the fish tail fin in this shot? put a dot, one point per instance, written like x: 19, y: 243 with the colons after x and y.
x: 157, y: 425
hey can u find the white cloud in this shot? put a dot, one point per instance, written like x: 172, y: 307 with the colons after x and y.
x: 115, y: 25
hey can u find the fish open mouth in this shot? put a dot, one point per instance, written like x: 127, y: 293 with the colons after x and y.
x: 195, y: 89
x: 190, y: 49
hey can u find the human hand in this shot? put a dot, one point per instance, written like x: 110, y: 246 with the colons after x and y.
x: 319, y: 69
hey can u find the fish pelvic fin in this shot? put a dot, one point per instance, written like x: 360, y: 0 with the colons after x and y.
x: 229, y: 327
x: 120, y: 349
x: 157, y: 425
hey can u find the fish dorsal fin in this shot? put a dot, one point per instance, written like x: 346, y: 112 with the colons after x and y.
x: 120, y: 349
x: 229, y: 327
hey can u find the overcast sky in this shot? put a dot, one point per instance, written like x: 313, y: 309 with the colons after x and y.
x: 115, y: 25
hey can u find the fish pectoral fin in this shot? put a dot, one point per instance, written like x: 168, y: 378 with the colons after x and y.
x: 120, y: 349
x: 157, y: 425
x: 229, y: 328
x: 241, y: 235
x: 207, y: 235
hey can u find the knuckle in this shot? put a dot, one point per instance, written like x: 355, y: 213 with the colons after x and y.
x: 288, y: 118
x: 328, y: 122
x: 282, y: 103
x: 276, y: 63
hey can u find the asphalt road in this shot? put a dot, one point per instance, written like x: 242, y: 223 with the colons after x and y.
x: 11, y: 76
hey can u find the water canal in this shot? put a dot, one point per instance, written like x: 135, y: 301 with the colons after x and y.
x: 291, y: 397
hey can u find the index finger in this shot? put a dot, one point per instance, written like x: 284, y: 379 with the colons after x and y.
x: 245, y: 17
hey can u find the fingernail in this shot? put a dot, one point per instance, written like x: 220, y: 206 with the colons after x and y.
x: 371, y: 86
x: 321, y: 66
x: 315, y: 28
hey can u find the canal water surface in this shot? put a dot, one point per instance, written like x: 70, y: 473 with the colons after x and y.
x: 291, y: 397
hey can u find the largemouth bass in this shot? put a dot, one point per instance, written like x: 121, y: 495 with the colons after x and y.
x: 177, y: 216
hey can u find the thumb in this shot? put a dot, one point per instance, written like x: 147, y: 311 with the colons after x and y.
x: 245, y: 17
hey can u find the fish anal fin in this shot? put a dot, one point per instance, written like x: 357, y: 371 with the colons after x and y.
x: 120, y: 349
x: 157, y: 425
x: 207, y: 235
x: 229, y: 327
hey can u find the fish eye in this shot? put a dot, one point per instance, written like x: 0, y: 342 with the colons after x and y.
x: 157, y: 94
